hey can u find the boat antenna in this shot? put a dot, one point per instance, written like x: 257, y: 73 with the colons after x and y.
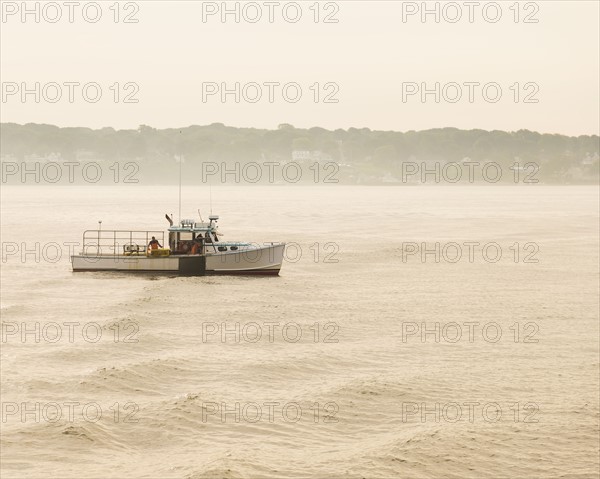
x: 210, y: 195
x: 180, y: 166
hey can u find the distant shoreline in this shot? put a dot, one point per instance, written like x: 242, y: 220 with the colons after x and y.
x: 216, y: 153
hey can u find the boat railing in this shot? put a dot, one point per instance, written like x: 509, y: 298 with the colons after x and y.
x: 118, y: 242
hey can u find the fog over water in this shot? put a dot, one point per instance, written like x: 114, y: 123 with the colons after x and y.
x: 366, y: 357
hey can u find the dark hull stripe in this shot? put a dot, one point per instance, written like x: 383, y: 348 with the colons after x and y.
x: 263, y: 272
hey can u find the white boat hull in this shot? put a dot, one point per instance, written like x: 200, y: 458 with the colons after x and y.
x: 257, y: 260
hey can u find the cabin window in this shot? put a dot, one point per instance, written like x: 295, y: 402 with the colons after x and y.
x: 222, y: 248
x: 185, y: 236
x: 234, y: 248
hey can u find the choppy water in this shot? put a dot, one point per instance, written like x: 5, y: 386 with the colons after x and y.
x: 341, y: 382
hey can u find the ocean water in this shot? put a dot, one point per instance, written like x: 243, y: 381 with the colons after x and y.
x: 364, y: 358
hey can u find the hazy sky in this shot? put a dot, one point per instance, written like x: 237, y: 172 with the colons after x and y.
x: 374, y: 61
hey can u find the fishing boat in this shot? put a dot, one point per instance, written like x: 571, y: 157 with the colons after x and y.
x: 192, y: 249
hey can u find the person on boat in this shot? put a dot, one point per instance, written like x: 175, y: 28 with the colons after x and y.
x: 154, y: 244
x: 197, y: 246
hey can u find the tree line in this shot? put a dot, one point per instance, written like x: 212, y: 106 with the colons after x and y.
x: 363, y: 155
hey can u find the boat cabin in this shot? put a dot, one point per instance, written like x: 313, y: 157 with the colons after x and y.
x: 191, y: 237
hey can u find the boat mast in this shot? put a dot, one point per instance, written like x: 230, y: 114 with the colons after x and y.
x: 180, y: 188
x: 180, y: 166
